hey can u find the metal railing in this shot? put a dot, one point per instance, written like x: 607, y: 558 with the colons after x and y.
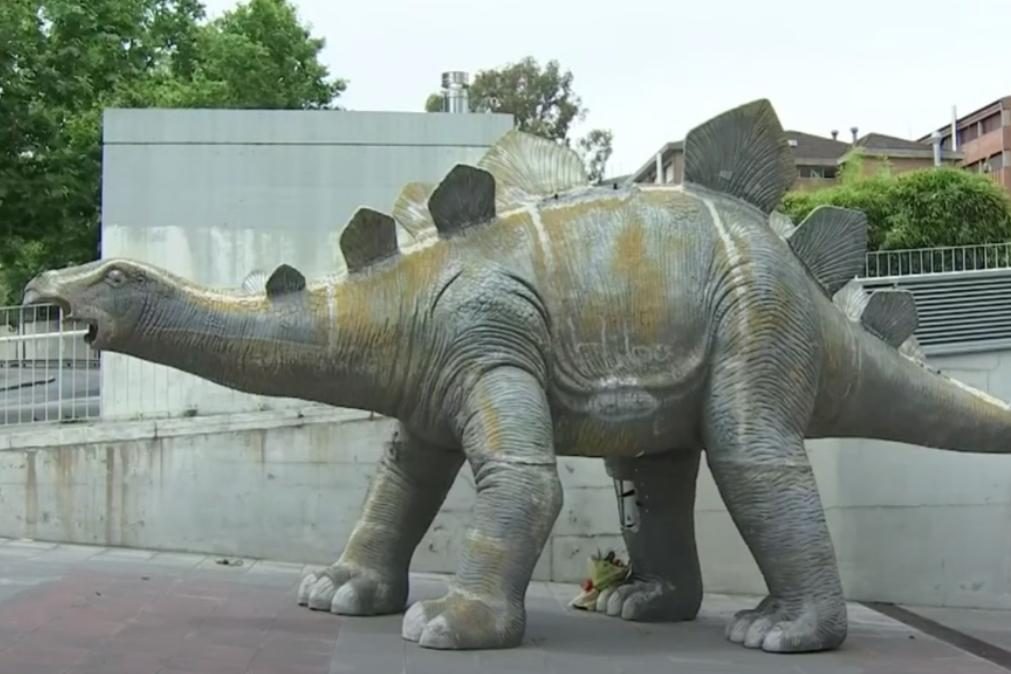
x: 918, y: 261
x: 47, y: 371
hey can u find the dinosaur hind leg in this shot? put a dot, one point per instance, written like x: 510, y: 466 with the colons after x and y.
x: 666, y: 583
x: 766, y: 482
x: 758, y: 401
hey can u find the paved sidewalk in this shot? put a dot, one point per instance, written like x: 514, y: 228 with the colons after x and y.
x: 73, y: 609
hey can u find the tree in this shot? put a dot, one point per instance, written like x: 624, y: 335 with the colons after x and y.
x: 541, y: 101
x: 596, y: 149
x: 918, y: 209
x: 63, y: 61
x: 255, y: 56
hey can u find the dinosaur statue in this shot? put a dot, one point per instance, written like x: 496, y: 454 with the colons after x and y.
x: 536, y: 315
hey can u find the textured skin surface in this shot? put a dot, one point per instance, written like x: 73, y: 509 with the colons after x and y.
x: 617, y: 323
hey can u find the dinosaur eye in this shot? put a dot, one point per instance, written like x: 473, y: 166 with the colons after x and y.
x: 115, y: 277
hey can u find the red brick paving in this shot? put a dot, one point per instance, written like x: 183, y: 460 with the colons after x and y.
x: 66, y: 612
x: 115, y: 621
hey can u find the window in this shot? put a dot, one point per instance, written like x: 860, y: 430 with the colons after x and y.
x: 969, y: 133
x: 991, y: 123
x: 817, y: 172
x: 997, y: 162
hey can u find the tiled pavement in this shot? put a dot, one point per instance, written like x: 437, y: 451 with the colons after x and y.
x: 74, y: 609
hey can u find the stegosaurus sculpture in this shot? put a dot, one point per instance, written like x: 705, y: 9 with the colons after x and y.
x: 536, y: 315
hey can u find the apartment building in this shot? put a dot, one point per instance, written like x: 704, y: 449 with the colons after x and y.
x: 982, y: 139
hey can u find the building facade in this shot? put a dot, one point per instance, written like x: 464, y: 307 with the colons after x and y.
x: 819, y: 159
x: 983, y: 139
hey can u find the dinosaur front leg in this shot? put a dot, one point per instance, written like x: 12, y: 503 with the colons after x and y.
x: 371, y: 576
x: 666, y: 582
x: 766, y: 481
x: 506, y: 433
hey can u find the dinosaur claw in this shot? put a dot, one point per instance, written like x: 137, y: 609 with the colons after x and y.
x: 321, y: 595
x: 305, y: 588
x: 758, y: 631
x: 414, y: 622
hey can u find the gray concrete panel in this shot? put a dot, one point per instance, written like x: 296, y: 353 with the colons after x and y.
x: 214, y: 194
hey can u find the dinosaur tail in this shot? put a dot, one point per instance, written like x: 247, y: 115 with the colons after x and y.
x: 871, y: 390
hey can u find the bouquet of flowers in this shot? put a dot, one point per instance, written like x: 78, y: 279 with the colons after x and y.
x: 605, y: 572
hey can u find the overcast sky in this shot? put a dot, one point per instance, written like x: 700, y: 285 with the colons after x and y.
x: 650, y: 70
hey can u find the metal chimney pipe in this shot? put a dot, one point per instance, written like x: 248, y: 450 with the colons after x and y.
x: 954, y: 129
x: 853, y: 130
x: 835, y: 134
x: 935, y: 139
x: 454, y: 91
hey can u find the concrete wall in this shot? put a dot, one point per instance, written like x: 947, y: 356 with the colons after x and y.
x: 214, y: 194
x: 909, y: 524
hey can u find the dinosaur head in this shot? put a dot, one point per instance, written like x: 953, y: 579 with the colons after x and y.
x: 109, y: 295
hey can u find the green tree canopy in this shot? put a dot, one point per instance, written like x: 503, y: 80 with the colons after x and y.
x: 541, y: 101
x: 596, y: 148
x: 918, y: 209
x: 63, y: 61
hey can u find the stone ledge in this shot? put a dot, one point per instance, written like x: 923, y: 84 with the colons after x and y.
x: 48, y: 435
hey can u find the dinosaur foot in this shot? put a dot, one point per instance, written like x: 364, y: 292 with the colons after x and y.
x: 649, y: 601
x: 350, y: 590
x: 458, y: 621
x: 790, y: 627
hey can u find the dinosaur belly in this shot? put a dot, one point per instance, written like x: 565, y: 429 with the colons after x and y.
x: 625, y: 418
x: 621, y: 396
x: 625, y: 402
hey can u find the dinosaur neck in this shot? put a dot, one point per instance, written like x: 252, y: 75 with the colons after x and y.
x: 335, y: 344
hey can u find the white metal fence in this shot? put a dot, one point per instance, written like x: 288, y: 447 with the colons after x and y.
x: 47, y: 371
x: 942, y: 260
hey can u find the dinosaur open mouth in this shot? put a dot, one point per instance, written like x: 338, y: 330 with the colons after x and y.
x: 34, y: 298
